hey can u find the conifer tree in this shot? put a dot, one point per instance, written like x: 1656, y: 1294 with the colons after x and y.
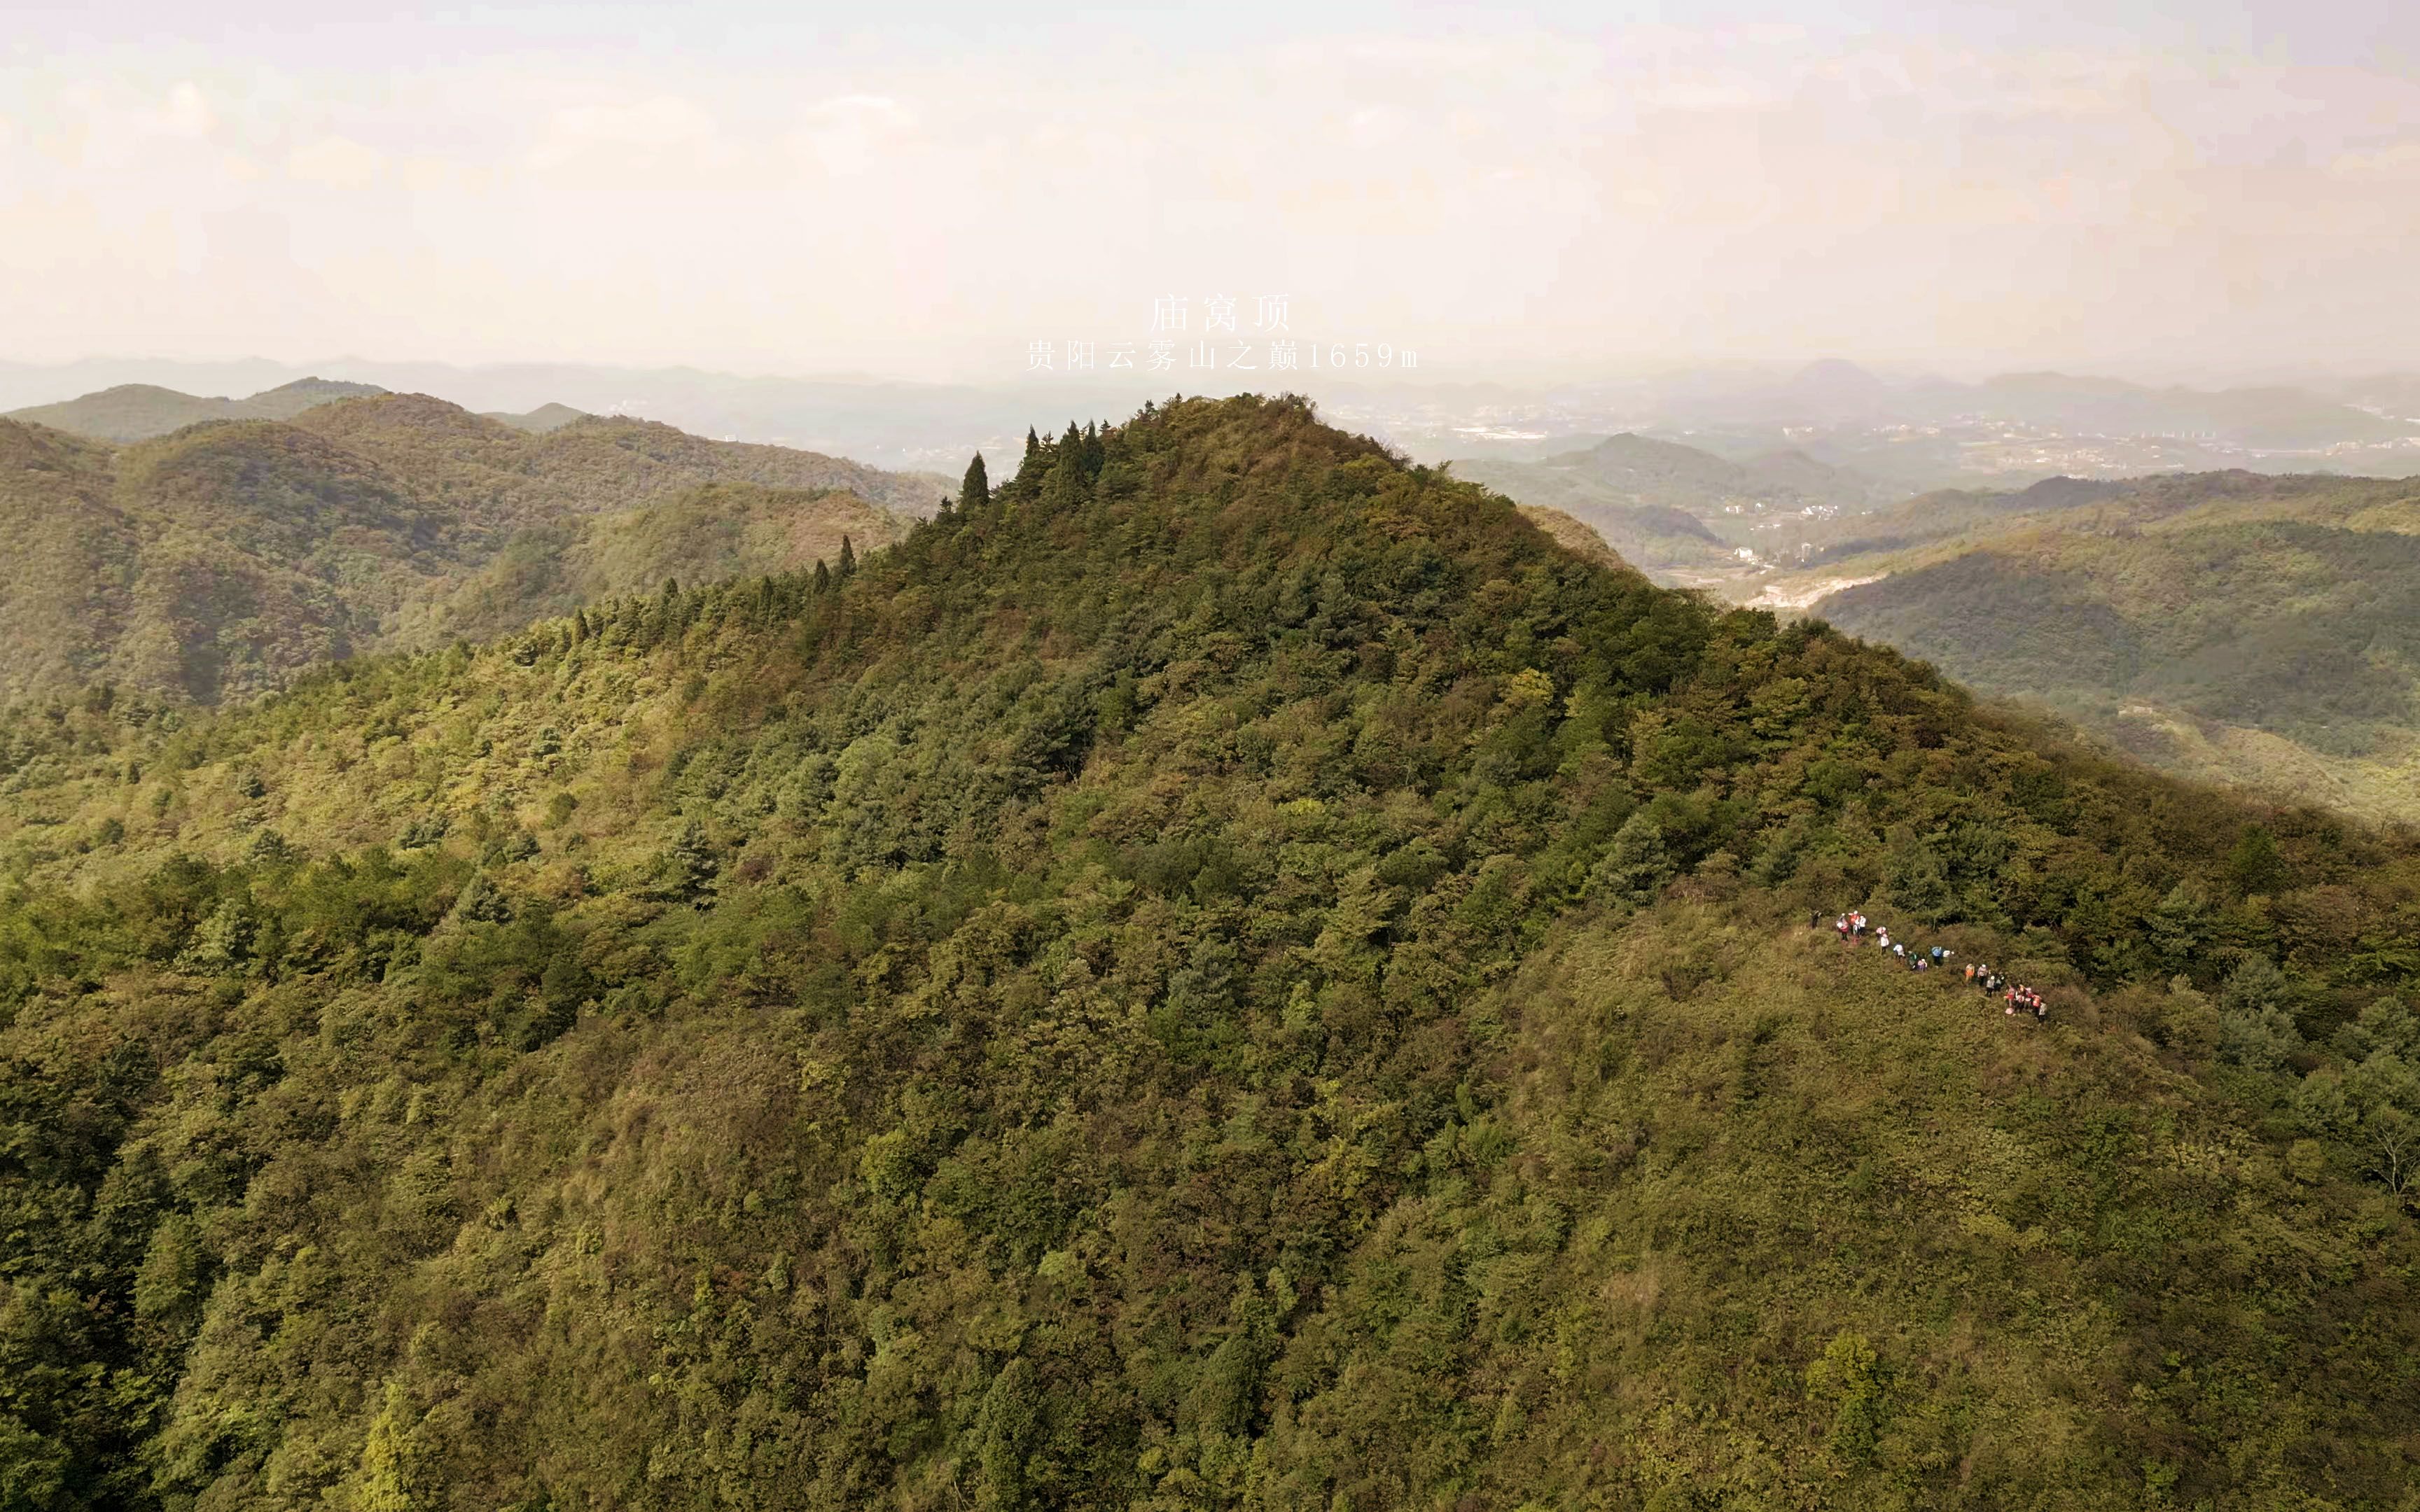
x: 481, y: 901
x: 394, y: 1462
x: 976, y: 489
x: 823, y: 576
x: 687, y: 869
x: 848, y: 557
x: 1064, y: 483
x: 1033, y: 443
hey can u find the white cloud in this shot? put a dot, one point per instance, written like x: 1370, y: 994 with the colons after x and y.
x: 846, y: 133
x: 648, y: 129
x: 2400, y: 161
x: 186, y: 113
x: 1659, y: 190
x: 337, y: 162
x: 425, y: 175
x: 1377, y: 126
x: 1702, y: 90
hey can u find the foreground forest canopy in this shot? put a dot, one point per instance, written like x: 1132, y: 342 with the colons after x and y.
x: 1229, y: 971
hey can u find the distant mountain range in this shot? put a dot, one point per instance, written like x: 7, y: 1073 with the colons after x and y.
x: 1913, y: 432
x: 1836, y: 394
x: 2277, y: 418
x: 2396, y: 395
x: 217, y: 559
x: 138, y: 411
x: 910, y: 425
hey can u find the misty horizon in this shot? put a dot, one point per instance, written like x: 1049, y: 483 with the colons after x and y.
x: 1553, y: 196
x: 20, y: 375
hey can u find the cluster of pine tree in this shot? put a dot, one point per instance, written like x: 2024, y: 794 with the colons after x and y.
x: 644, y: 623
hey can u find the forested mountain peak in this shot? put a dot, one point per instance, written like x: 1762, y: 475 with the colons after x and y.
x: 253, y: 475
x: 287, y: 400
x: 1632, y: 453
x: 126, y: 413
x: 1230, y: 972
x: 419, y: 413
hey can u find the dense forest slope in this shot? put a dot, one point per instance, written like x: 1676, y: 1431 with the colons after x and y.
x: 217, y: 560
x: 1231, y: 971
x: 2263, y: 631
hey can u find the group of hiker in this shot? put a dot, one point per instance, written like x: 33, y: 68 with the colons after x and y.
x: 2014, y: 996
x: 1852, y: 929
x: 2014, y: 999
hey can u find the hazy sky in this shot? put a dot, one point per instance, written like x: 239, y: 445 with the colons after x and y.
x: 925, y: 190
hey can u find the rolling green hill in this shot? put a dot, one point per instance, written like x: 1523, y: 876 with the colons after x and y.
x: 1676, y: 512
x: 544, y: 417
x: 718, y: 530
x: 138, y: 411
x: 2261, y: 631
x: 1233, y: 972
x: 1946, y: 514
x: 217, y: 560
